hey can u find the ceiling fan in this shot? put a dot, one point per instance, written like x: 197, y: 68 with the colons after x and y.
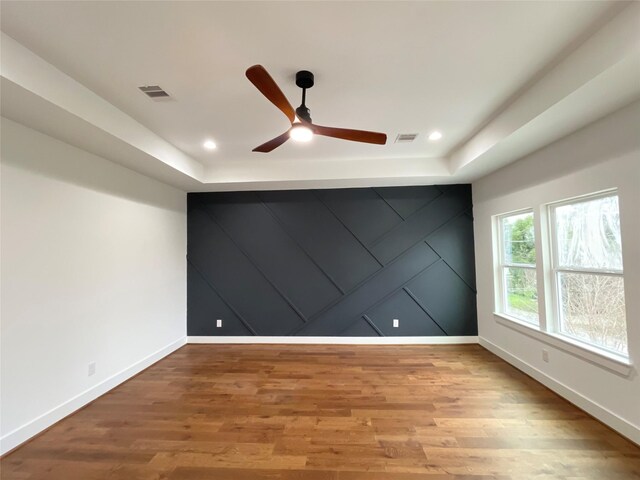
x: 302, y: 129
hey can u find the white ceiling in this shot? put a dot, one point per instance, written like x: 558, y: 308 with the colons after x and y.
x: 395, y: 67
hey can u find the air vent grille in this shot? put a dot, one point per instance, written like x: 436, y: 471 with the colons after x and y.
x: 153, y: 91
x: 406, y: 137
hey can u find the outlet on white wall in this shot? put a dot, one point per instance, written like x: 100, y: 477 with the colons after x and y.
x: 219, y: 323
x: 396, y: 323
x: 545, y: 356
x: 91, y: 370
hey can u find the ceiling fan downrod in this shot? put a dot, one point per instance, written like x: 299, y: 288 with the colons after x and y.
x: 304, y: 80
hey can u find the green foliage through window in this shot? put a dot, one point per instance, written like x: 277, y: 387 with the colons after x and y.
x: 519, y: 248
x: 519, y: 239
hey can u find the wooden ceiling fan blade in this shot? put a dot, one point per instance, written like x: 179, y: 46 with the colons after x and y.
x: 273, y: 143
x: 259, y: 76
x: 352, y: 135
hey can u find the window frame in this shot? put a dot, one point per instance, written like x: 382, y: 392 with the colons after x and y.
x: 548, y: 307
x: 555, y: 316
x: 502, y: 265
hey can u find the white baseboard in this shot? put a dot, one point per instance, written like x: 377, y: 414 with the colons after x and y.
x: 21, y: 434
x: 606, y: 416
x: 337, y: 340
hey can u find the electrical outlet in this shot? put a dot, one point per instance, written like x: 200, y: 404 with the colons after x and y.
x: 219, y: 323
x: 545, y: 356
x: 92, y: 369
x: 396, y: 323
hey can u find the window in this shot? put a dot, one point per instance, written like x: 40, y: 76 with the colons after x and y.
x: 518, y: 267
x: 588, y: 273
x: 581, y: 276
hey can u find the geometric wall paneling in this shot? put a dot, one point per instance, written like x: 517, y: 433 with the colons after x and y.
x: 272, y: 250
x: 318, y: 231
x: 452, y: 243
x: 383, y: 283
x: 419, y: 225
x: 360, y: 328
x: 413, y: 320
x: 362, y: 210
x: 236, y: 279
x: 447, y: 299
x: 339, y: 262
x: 205, y: 306
x: 407, y: 200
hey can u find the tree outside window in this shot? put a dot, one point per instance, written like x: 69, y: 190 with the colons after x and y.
x: 520, y: 292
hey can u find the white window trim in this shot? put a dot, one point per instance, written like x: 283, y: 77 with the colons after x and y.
x: 553, y: 286
x: 548, y: 307
x: 603, y: 358
x: 501, y: 287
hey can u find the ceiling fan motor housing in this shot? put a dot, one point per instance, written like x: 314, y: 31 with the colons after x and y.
x: 304, y: 79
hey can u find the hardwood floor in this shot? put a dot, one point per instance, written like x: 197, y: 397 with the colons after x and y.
x: 301, y: 412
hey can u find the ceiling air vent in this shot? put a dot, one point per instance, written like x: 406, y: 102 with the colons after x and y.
x: 153, y: 91
x: 406, y: 137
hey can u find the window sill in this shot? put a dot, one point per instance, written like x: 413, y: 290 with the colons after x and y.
x: 610, y: 361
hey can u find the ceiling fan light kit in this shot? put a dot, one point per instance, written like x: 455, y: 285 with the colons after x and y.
x: 302, y: 128
x: 300, y: 133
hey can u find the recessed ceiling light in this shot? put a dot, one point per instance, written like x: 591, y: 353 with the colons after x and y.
x: 435, y: 136
x: 209, y: 145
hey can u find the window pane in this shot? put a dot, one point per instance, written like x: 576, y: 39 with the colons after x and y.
x: 521, y: 295
x: 588, y: 234
x: 518, y: 239
x: 593, y: 309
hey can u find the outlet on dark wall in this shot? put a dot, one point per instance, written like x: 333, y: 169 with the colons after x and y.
x: 340, y: 262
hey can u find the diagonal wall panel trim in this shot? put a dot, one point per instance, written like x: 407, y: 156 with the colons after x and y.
x: 388, y: 280
x: 257, y: 267
x: 459, y: 276
x: 362, y: 211
x: 272, y: 249
x: 228, y: 270
x: 450, y: 242
x: 373, y: 325
x: 422, y: 307
x: 419, y: 225
x: 388, y: 203
x: 438, y: 283
x: 407, y: 200
x: 346, y: 261
x: 282, y: 224
x: 358, y: 239
x: 413, y: 320
x: 434, y: 193
x: 202, y: 305
x: 320, y: 233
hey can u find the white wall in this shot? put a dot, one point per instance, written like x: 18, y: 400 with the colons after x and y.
x: 603, y: 155
x: 93, y: 270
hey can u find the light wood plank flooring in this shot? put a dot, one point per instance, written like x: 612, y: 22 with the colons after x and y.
x: 300, y: 412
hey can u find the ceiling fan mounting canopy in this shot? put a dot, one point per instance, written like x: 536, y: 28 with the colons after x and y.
x: 304, y: 79
x: 300, y: 118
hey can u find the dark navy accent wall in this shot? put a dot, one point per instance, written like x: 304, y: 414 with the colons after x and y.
x: 332, y: 262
